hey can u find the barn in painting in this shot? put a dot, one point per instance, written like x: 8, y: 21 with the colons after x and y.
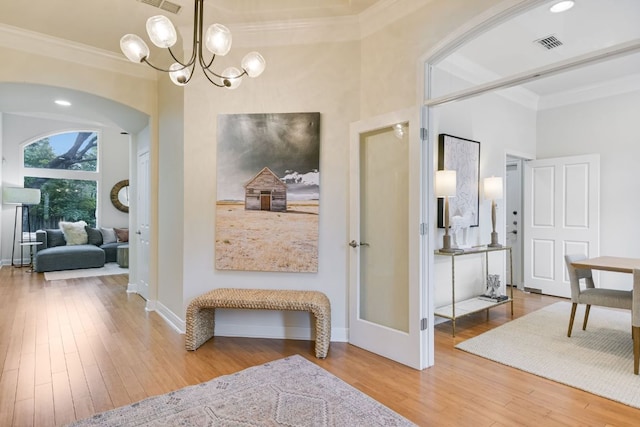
x: 265, y: 192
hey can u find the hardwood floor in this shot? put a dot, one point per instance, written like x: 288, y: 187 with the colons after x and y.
x: 71, y: 348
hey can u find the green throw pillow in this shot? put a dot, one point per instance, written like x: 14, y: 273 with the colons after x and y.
x: 94, y: 235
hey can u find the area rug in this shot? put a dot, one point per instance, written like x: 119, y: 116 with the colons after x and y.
x: 109, y: 269
x: 598, y: 360
x: 287, y: 392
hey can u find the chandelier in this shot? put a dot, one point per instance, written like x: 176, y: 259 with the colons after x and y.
x: 217, y: 40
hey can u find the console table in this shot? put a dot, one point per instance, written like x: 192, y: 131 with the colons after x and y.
x: 472, y: 305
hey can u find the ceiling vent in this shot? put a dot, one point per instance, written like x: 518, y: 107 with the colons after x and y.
x: 549, y: 42
x: 164, y: 5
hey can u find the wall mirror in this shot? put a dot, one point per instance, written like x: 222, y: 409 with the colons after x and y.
x: 120, y: 195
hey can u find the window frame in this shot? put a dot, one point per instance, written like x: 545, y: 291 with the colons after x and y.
x: 69, y: 174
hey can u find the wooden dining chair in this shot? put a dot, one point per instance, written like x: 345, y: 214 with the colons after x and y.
x: 591, y: 295
x: 635, y: 320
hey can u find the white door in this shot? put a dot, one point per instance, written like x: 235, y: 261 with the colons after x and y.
x: 142, y: 222
x: 562, y: 202
x: 387, y: 298
x: 513, y: 226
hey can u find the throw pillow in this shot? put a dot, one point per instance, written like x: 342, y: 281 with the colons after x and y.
x: 74, y: 232
x: 94, y: 235
x: 55, y: 238
x: 122, y: 233
x: 108, y: 235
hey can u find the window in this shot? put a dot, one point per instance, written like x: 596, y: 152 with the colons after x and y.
x: 64, y: 167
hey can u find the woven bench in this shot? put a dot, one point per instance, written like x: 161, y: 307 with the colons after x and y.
x: 200, y: 321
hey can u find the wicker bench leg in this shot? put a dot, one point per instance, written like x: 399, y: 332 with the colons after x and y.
x: 323, y: 332
x: 200, y: 326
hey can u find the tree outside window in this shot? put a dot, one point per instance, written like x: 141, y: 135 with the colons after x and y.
x: 64, y: 167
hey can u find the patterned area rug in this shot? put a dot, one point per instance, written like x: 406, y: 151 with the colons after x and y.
x: 598, y: 360
x: 286, y: 392
x: 109, y: 269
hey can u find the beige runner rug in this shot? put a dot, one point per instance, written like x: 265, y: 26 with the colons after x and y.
x: 598, y: 360
x: 287, y: 392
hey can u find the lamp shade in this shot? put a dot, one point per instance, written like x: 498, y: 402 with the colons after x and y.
x: 218, y: 39
x: 254, y: 64
x: 445, y: 183
x: 20, y: 196
x: 134, y: 48
x: 493, y: 188
x: 161, y: 31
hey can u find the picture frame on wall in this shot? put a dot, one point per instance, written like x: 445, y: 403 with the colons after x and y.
x: 268, y: 192
x: 463, y: 156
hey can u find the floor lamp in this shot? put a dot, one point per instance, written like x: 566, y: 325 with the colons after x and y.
x: 22, y: 198
x: 493, y: 192
x: 445, y: 186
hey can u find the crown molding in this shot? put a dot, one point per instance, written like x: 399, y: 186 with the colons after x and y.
x: 302, y: 31
x: 324, y: 30
x: 53, y: 47
x: 469, y: 71
x: 385, y: 12
x: 592, y: 92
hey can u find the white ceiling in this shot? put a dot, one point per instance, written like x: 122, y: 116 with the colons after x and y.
x: 591, y: 25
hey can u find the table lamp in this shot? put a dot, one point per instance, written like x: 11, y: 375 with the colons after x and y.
x: 445, y: 186
x: 493, y: 192
x: 22, y: 198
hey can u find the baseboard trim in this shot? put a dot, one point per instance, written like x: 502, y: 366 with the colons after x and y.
x: 132, y: 288
x: 170, y: 317
x: 276, y: 332
x: 246, y: 331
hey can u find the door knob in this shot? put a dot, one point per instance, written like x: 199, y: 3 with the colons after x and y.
x: 138, y: 232
x: 355, y: 244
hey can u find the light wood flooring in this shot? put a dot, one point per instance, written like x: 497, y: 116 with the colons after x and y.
x: 71, y: 348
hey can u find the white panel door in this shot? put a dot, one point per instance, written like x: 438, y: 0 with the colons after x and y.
x: 142, y: 222
x: 387, y: 300
x: 562, y: 216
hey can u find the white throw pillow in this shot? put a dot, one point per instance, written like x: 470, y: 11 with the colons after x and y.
x: 74, y: 232
x: 108, y: 235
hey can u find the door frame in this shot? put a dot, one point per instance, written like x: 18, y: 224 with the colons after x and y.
x: 520, y: 158
x: 420, y: 354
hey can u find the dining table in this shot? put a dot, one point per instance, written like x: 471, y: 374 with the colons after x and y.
x: 621, y: 265
x: 609, y: 263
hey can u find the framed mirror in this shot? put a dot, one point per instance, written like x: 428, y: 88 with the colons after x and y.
x: 120, y: 195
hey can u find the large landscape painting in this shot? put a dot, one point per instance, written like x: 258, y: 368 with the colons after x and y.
x: 268, y: 192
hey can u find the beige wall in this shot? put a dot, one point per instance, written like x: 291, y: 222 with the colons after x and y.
x: 23, y: 67
x: 312, y: 78
x: 391, y: 66
x: 171, y: 210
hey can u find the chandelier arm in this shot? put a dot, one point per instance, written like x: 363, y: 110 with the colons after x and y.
x: 153, y: 66
x: 186, y: 64
x: 207, y: 70
x: 193, y: 68
x: 202, y: 62
x: 209, y: 78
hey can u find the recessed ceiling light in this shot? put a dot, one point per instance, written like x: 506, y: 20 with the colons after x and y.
x: 562, y: 6
x: 62, y: 102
